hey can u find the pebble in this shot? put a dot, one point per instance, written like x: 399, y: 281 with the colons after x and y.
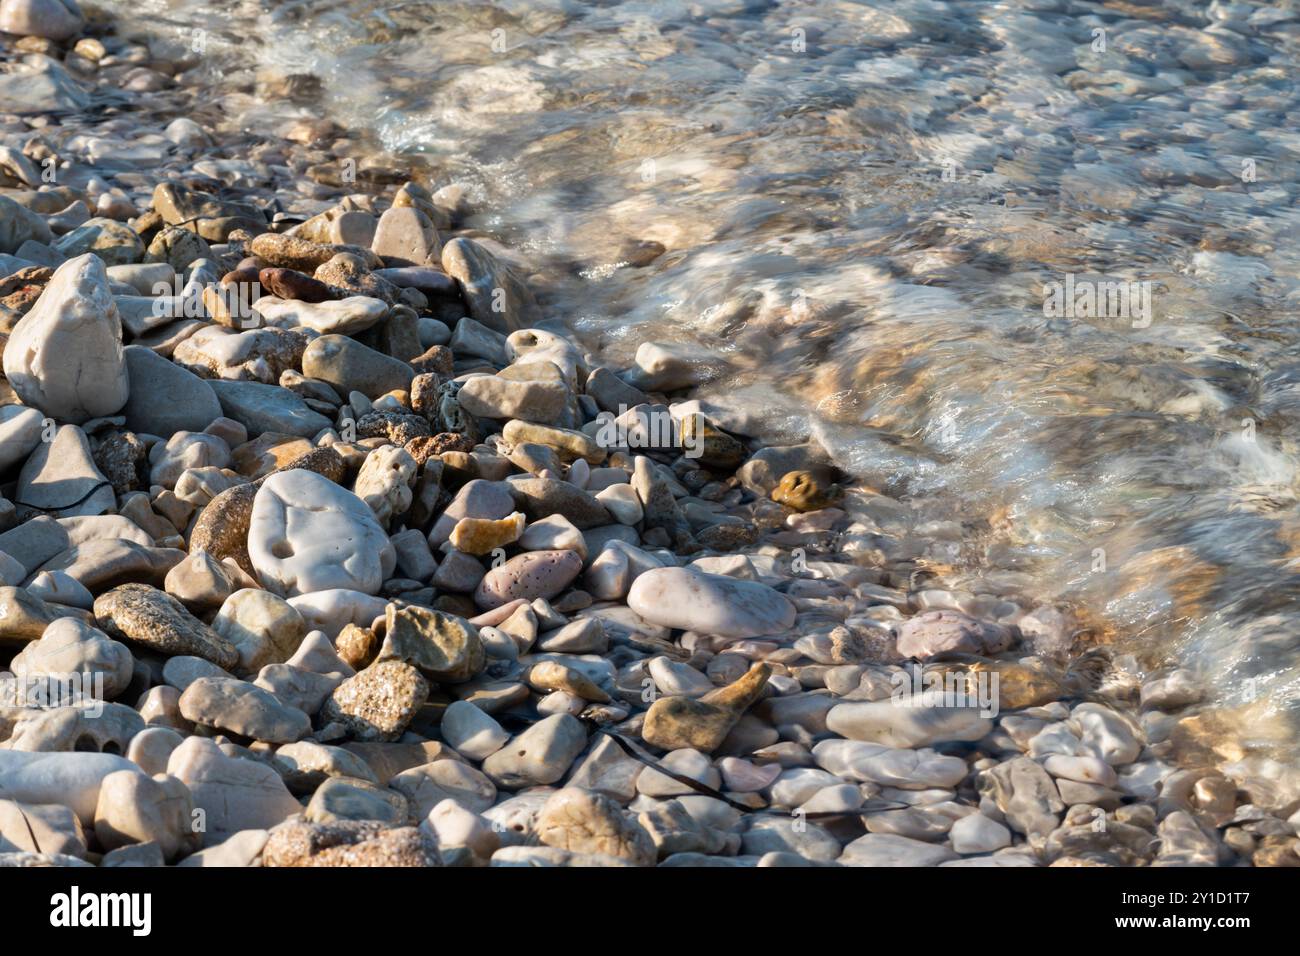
x: 305, y: 765
x: 480, y: 536
x: 47, y: 828
x: 491, y: 396
x: 349, y: 366
x: 72, y: 780
x: 938, y: 632
x: 379, y: 702
x: 1025, y: 795
x: 234, y: 794
x: 242, y: 708
x: 472, y: 732
x: 52, y: 19
x: 61, y: 478
x: 443, y: 647
x: 345, y: 316
x: 480, y: 274
x: 887, y: 849
x: 134, y: 808
x: 687, y: 599
x: 202, y: 583
x: 155, y: 620
x: 477, y: 498
x: 554, y: 533
x: 543, y: 497
x: 535, y: 574
x: 268, y: 408
x: 580, y: 821
x: 899, y: 724
x: 428, y: 785
x: 540, y: 755
x: 20, y: 433
x: 676, y: 722
x: 69, y: 646
x: 454, y: 826
x: 343, y: 799
x: 976, y: 833
x: 385, y: 482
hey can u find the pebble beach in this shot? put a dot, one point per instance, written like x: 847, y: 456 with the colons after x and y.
x: 328, y: 538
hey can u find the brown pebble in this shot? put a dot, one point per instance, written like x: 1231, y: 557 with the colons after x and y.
x: 290, y: 284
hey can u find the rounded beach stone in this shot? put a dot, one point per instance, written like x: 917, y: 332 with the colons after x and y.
x: 385, y: 480
x: 540, y: 755
x: 134, y: 808
x: 536, y: 574
x: 70, y: 779
x: 379, y: 702
x: 428, y: 785
x: 51, y: 19
x: 239, y: 707
x: 710, y: 603
x: 308, y: 534
x: 935, y: 632
x: 342, y: 316
x: 350, y: 366
x: 70, y: 646
x: 473, y: 733
x: 264, y: 628
x: 234, y: 793
x: 581, y: 821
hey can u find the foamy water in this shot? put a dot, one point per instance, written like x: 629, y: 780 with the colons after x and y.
x: 861, y: 206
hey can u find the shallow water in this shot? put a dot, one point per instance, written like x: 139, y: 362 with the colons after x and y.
x: 861, y: 204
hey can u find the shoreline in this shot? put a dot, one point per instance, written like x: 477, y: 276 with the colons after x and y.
x: 767, y: 674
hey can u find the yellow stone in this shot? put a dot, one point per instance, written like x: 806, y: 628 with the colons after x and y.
x: 483, y: 535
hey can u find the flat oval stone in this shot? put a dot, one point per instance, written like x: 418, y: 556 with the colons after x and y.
x: 308, y: 534
x: 692, y: 600
x: 268, y: 408
x: 536, y: 574
x: 935, y: 632
x: 356, y: 313
x: 242, y: 708
x: 350, y: 366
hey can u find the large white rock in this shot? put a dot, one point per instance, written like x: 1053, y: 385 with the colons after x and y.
x: 65, y: 355
x: 710, y: 603
x: 308, y: 534
x: 69, y: 779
